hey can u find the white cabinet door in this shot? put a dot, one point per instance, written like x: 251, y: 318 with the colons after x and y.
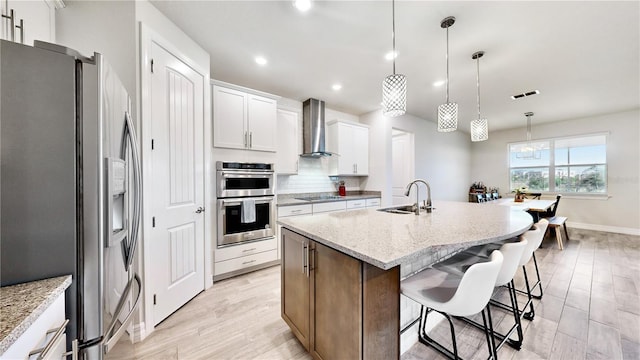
x: 261, y: 123
x: 229, y: 118
x: 289, y: 137
x: 38, y: 20
x: 351, y: 142
x: 361, y: 149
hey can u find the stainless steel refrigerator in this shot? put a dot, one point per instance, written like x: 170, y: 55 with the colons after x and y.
x: 70, y: 187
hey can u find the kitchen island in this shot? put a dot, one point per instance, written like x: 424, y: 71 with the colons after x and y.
x: 341, y: 271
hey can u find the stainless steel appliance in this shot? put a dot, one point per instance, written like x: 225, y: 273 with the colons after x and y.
x: 240, y: 185
x: 313, y: 129
x: 70, y: 187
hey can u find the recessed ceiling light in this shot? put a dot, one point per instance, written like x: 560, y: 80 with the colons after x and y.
x: 390, y: 55
x: 302, y: 5
x: 439, y: 83
x: 336, y: 87
x: 260, y: 60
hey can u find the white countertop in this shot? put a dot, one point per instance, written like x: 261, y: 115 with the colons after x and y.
x: 386, y: 240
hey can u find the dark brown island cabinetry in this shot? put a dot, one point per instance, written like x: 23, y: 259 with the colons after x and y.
x: 337, y: 306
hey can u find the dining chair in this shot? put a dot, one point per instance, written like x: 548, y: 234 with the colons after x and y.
x: 455, y: 295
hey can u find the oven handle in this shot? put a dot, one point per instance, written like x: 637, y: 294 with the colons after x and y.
x: 259, y: 174
x: 262, y: 200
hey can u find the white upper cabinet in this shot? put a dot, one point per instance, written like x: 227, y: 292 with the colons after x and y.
x: 351, y: 142
x: 289, y: 137
x: 38, y: 21
x: 242, y: 120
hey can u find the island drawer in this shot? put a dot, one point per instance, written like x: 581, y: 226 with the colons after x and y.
x: 294, y: 210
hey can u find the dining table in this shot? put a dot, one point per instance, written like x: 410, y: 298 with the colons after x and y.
x: 532, y: 206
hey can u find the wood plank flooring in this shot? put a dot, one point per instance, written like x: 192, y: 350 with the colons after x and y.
x: 590, y: 310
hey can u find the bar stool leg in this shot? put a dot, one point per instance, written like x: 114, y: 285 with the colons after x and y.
x: 531, y: 314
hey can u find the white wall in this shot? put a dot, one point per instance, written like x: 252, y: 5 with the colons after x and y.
x: 442, y: 159
x: 620, y: 212
x: 106, y: 27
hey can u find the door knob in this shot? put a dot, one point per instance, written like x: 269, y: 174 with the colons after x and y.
x: 200, y: 210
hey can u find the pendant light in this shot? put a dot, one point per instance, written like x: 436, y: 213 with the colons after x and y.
x: 447, y: 112
x: 479, y: 126
x: 394, y: 87
x: 528, y: 151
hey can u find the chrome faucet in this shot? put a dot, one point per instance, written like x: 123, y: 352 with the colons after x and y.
x: 427, y: 205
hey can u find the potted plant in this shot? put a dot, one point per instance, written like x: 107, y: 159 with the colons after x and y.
x: 520, y: 193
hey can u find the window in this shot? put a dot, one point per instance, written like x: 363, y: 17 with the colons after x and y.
x: 567, y: 165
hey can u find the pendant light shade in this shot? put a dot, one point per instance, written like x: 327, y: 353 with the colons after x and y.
x: 479, y: 126
x: 394, y: 95
x: 394, y: 87
x: 447, y: 112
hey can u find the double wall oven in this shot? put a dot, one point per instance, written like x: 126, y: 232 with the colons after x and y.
x: 244, y: 187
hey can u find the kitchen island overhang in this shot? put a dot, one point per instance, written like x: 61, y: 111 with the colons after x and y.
x: 372, y: 245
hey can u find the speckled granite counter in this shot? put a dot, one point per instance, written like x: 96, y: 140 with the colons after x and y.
x: 386, y: 240
x: 295, y: 199
x: 21, y: 304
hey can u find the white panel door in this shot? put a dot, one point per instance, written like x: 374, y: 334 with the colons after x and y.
x: 262, y: 117
x: 229, y: 118
x: 403, y: 167
x: 178, y: 177
x: 347, y: 159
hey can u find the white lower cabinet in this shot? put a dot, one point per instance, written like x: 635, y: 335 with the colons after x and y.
x: 42, y: 332
x: 356, y: 204
x: 375, y: 202
x: 232, y: 260
x: 329, y: 206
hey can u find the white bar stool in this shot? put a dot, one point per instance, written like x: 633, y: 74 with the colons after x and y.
x: 512, y: 253
x: 534, y: 238
x: 454, y: 295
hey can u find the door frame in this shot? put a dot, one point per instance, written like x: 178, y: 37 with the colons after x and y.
x: 147, y: 38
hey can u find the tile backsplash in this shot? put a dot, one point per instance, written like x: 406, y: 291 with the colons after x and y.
x: 313, y: 176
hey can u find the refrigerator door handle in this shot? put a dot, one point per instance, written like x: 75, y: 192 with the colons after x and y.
x: 129, y: 137
x: 112, y: 335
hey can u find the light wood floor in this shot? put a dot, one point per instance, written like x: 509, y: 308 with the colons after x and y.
x: 590, y: 310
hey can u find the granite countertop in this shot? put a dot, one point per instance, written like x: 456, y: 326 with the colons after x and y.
x: 386, y: 240
x: 295, y: 199
x: 22, y: 304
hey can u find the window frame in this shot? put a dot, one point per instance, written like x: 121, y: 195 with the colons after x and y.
x: 552, y: 166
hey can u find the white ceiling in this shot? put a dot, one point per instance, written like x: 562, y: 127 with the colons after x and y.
x: 584, y: 57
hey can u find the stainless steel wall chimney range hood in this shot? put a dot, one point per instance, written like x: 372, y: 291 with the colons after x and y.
x: 313, y: 136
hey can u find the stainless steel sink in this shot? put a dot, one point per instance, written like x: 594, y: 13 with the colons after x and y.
x: 404, y: 209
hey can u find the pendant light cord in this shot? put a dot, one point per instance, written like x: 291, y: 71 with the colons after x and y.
x: 478, y: 83
x: 529, y: 129
x: 393, y: 33
x: 447, y: 64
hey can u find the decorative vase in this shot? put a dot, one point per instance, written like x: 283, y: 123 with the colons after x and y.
x: 519, y: 198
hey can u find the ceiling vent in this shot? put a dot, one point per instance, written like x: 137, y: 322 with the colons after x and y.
x: 518, y: 96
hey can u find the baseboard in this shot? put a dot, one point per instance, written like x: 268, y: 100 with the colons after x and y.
x: 139, y: 332
x: 408, y: 338
x: 605, y: 228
